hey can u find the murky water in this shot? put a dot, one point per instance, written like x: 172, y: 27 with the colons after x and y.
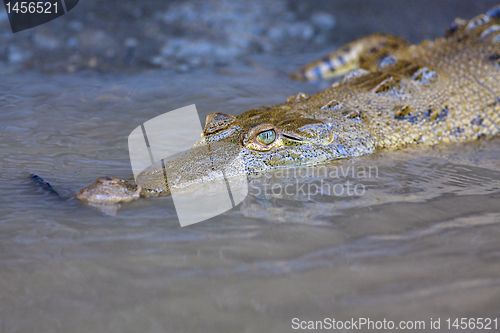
x: 419, y: 240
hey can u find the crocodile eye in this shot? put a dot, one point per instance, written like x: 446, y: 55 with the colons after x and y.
x: 266, y: 137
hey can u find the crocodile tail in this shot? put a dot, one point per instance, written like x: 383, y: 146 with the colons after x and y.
x: 484, y: 27
x: 365, y: 53
x: 45, y: 185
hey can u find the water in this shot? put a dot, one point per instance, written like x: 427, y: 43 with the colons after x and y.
x: 421, y: 241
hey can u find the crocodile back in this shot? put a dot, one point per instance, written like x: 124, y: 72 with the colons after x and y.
x: 447, y: 90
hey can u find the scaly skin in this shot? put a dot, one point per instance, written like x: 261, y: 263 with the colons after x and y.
x: 395, y: 95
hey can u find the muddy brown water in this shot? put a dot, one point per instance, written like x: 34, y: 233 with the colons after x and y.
x: 419, y: 242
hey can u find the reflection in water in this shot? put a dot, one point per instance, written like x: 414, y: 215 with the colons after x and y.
x: 420, y: 241
x: 414, y: 175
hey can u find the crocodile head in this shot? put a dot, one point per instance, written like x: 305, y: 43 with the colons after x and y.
x: 263, y: 139
x: 282, y: 136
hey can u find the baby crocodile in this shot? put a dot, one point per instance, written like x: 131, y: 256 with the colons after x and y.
x: 393, y: 95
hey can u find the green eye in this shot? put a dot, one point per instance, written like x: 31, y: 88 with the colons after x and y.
x: 266, y: 137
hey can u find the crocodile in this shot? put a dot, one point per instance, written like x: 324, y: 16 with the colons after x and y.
x: 392, y: 95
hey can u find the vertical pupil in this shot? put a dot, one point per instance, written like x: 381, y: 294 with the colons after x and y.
x: 266, y: 137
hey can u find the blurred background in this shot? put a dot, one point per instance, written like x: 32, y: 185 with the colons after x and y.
x: 116, y: 35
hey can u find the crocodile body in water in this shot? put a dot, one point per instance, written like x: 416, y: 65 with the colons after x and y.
x: 393, y: 95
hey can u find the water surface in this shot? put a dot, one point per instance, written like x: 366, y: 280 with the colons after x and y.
x: 420, y: 242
